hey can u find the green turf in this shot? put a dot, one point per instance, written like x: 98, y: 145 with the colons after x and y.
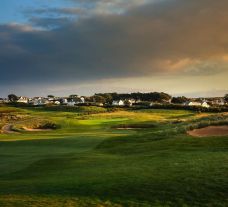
x: 88, y: 161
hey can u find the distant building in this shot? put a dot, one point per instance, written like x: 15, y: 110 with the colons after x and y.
x: 118, y: 103
x: 64, y: 101
x: 23, y: 99
x: 218, y: 101
x: 131, y: 101
x: 192, y: 103
x: 82, y: 99
x: 205, y: 104
x: 57, y: 103
x: 71, y: 103
x: 196, y: 103
x: 99, y: 104
x: 38, y: 101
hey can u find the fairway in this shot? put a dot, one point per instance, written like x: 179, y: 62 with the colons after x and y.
x: 117, y: 158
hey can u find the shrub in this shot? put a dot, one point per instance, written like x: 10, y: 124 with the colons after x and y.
x: 48, y: 125
x: 216, y: 109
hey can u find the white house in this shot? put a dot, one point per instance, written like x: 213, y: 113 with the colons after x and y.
x: 99, y: 104
x: 57, y: 102
x: 205, y: 104
x: 82, y: 99
x: 220, y: 102
x: 71, y: 103
x: 195, y: 103
x: 51, y: 99
x: 38, y: 101
x: 118, y: 103
x: 192, y: 103
x: 131, y: 101
x: 64, y: 101
x: 79, y: 100
x: 23, y: 99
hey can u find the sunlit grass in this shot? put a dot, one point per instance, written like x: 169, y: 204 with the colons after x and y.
x: 88, y: 161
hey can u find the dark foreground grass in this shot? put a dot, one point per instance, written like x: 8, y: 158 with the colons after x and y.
x: 155, y: 166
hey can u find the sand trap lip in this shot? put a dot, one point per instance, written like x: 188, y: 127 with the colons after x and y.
x: 209, y: 131
x: 127, y: 128
x: 8, y: 129
x: 36, y: 130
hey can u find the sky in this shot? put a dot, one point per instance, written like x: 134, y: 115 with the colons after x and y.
x: 65, y: 47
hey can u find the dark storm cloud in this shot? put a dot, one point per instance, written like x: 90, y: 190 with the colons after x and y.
x: 167, y: 37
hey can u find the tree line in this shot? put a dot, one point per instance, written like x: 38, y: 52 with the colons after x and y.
x: 159, y: 97
x: 152, y: 97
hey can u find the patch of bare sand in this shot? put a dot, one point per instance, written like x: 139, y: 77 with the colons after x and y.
x: 36, y: 130
x: 209, y: 131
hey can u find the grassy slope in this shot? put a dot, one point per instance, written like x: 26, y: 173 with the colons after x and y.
x: 87, y: 162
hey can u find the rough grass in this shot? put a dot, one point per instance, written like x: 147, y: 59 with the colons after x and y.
x: 87, y: 162
x: 213, y: 120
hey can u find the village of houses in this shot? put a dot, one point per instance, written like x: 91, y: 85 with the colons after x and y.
x: 81, y: 100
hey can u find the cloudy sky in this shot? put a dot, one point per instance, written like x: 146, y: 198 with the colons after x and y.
x: 62, y: 47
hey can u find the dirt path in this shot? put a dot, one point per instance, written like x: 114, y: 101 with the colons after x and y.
x: 209, y: 131
x: 7, y: 129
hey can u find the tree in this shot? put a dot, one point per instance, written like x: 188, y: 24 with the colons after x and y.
x: 127, y: 103
x: 226, y: 97
x: 179, y: 100
x: 12, y: 98
x: 51, y: 96
x: 165, y: 97
x: 73, y: 96
x: 99, y: 99
x: 88, y: 99
x: 137, y: 96
x: 107, y: 96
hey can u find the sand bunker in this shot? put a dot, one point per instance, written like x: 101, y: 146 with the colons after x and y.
x: 8, y: 129
x: 35, y: 130
x: 209, y: 131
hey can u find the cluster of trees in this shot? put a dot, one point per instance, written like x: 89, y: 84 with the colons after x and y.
x: 110, y: 97
x: 12, y: 97
x: 153, y: 96
x: 226, y: 98
x: 179, y: 100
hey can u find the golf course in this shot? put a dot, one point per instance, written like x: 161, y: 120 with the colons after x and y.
x: 112, y: 157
